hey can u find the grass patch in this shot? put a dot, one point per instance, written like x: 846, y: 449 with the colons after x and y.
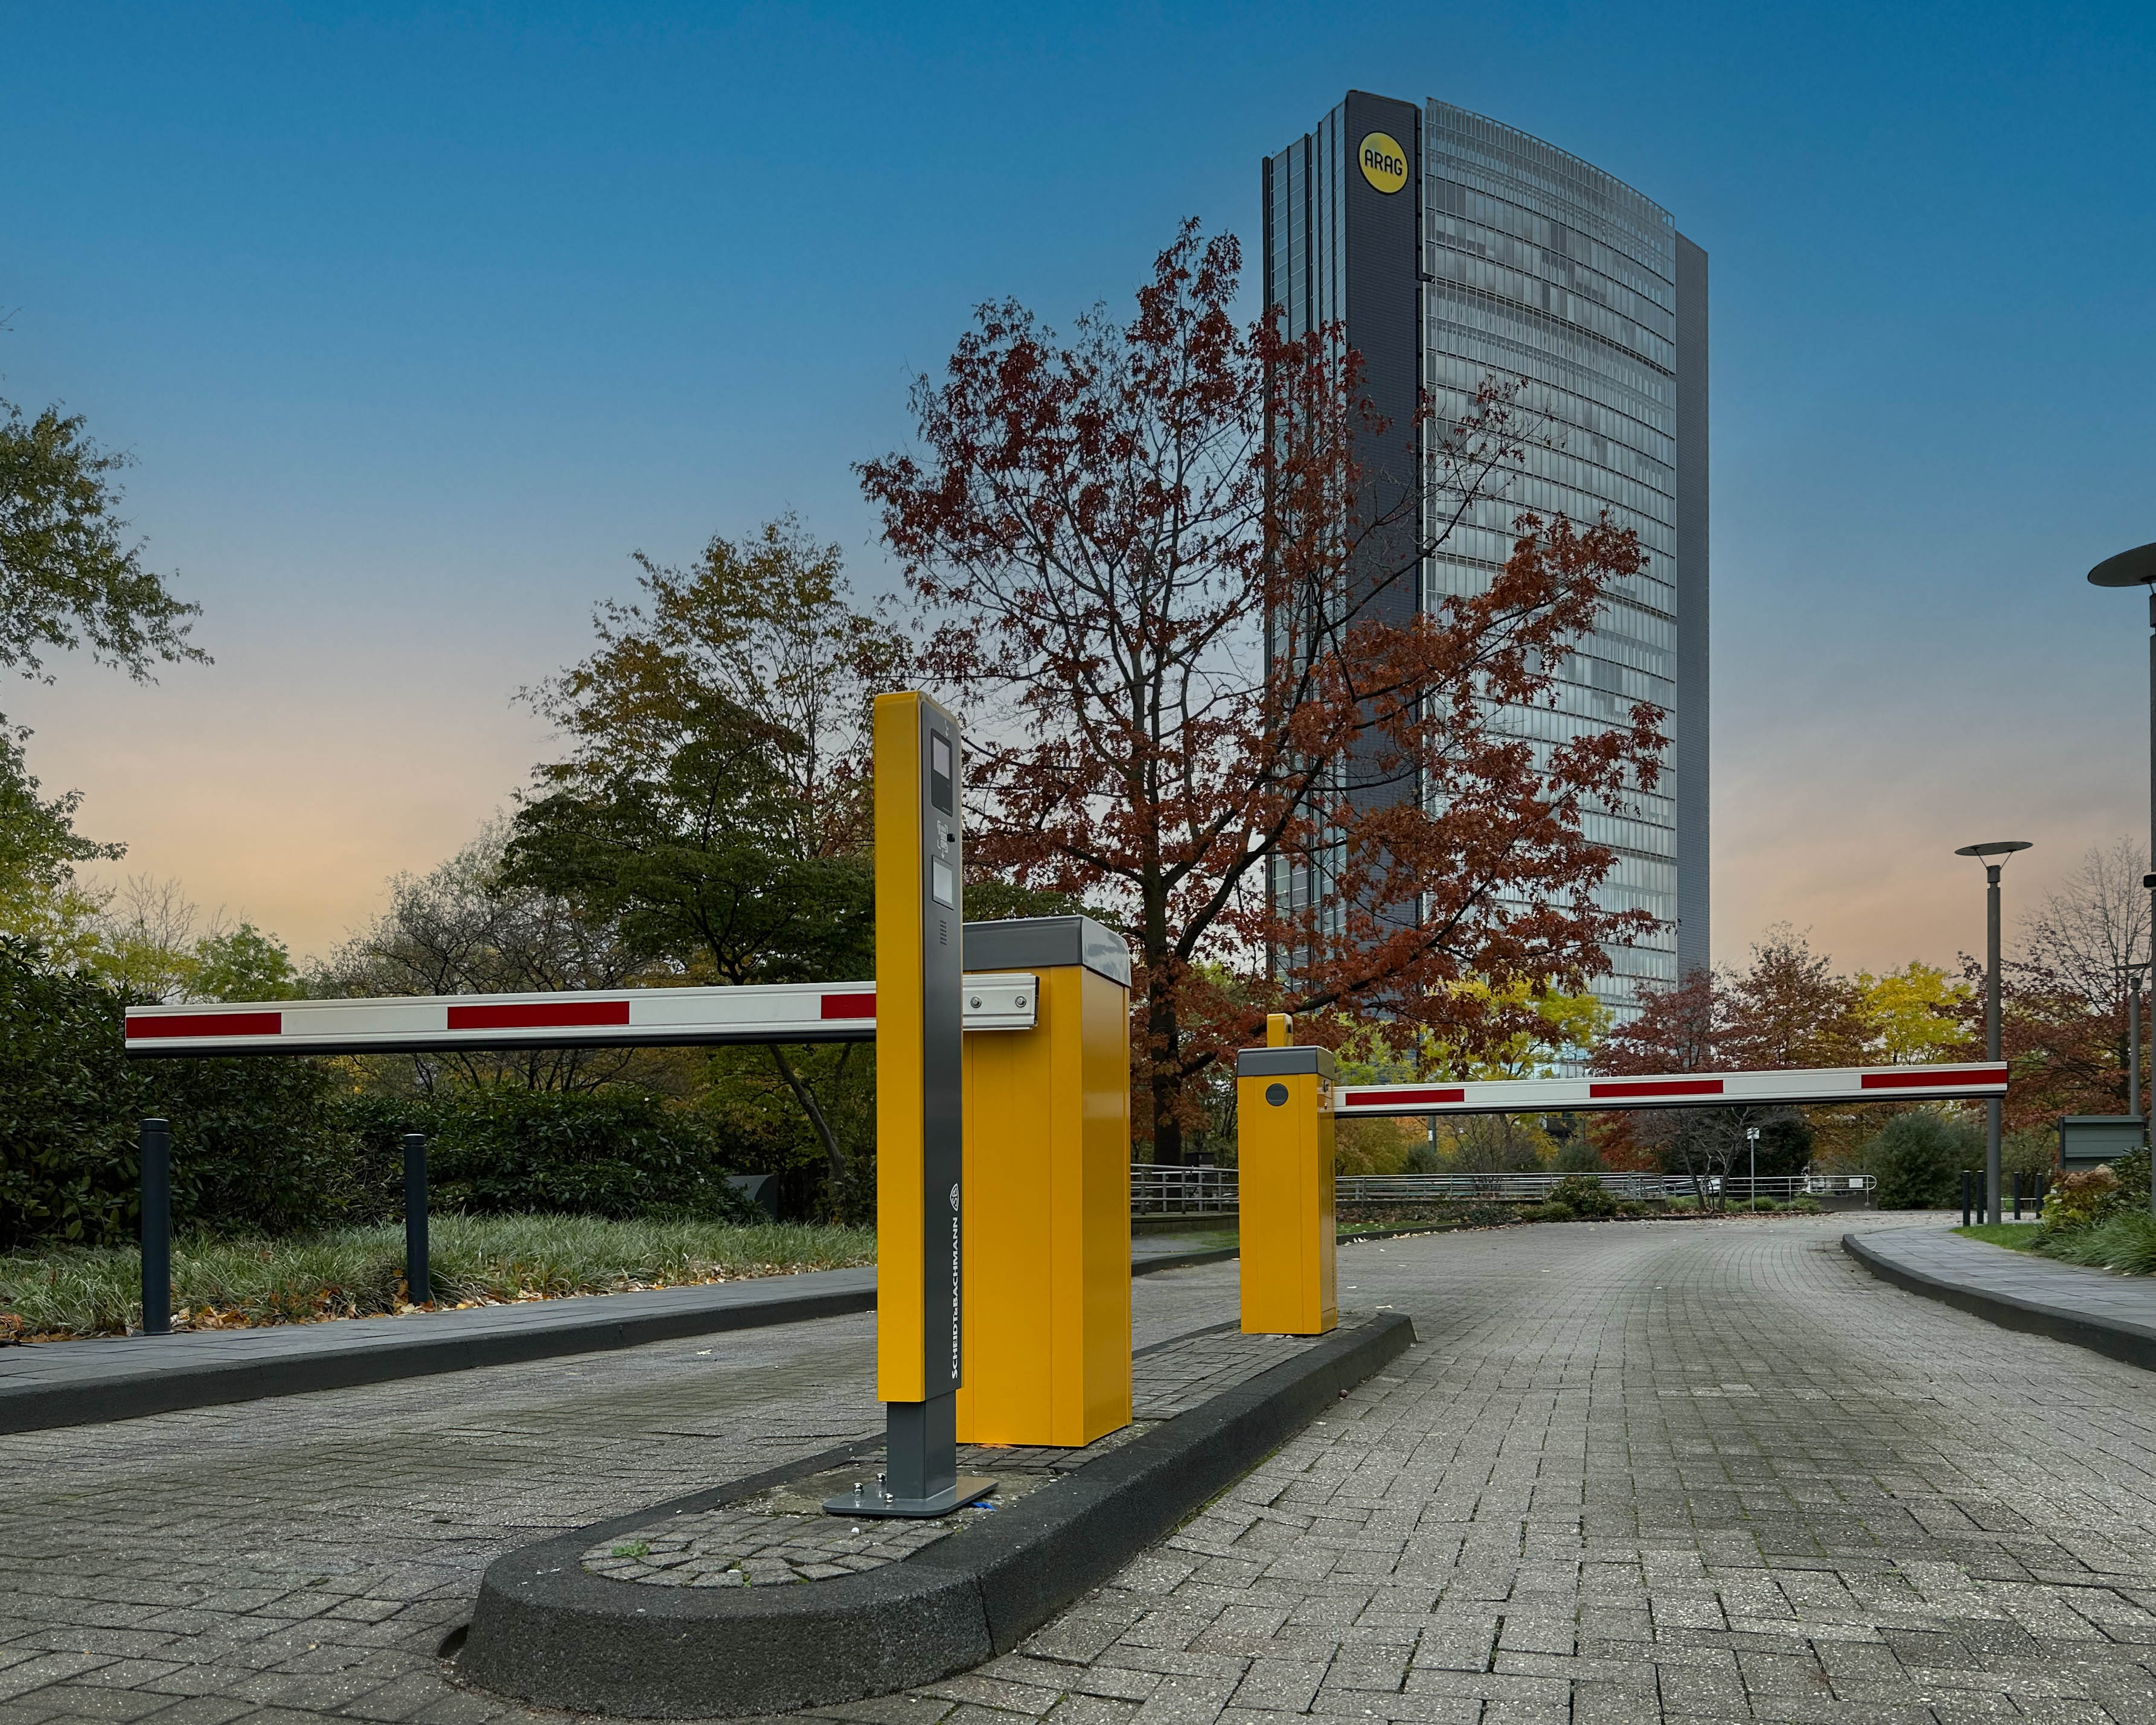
x: 356, y: 1272
x: 2125, y: 1241
x: 2016, y: 1236
x: 1207, y: 1240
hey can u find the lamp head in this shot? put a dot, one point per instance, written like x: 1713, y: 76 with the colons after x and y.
x: 2130, y: 568
x: 1997, y: 847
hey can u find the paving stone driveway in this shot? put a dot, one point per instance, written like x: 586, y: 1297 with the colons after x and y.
x: 1633, y: 1473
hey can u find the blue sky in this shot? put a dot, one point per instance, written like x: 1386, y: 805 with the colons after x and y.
x: 419, y: 319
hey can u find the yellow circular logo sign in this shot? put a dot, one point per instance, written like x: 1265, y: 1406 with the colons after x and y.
x: 1384, y: 163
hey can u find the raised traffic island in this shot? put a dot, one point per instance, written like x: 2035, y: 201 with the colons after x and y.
x: 745, y: 1600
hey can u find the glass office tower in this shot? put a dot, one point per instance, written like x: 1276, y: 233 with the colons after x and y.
x: 1456, y: 248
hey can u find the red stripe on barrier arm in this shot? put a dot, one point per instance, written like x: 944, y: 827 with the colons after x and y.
x: 539, y: 1015
x: 1926, y: 1080
x: 1658, y: 1087
x: 1393, y: 1094
x: 849, y: 1006
x: 208, y: 1024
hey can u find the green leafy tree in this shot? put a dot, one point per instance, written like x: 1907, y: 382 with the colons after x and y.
x: 463, y: 928
x: 41, y: 898
x: 715, y: 801
x: 243, y: 963
x: 69, y: 579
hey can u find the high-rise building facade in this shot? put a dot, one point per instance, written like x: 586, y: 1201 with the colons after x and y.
x: 1454, y: 249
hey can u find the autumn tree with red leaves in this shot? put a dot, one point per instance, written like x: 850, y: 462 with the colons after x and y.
x: 1787, y: 1011
x: 1187, y: 649
x: 2063, y: 993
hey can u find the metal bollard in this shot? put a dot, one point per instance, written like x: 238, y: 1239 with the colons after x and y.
x: 419, y: 1281
x: 157, y: 1228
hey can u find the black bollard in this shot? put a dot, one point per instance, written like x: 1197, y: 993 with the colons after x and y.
x: 419, y: 1282
x: 157, y: 1228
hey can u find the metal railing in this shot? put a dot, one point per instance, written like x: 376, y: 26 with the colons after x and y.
x: 1405, y: 1188
x: 1161, y: 1189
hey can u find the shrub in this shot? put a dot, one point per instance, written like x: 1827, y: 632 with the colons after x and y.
x: 1917, y: 1158
x: 507, y: 1152
x: 1578, y: 1155
x: 2083, y: 1198
x: 252, y: 1145
x: 1633, y: 1206
x: 1484, y: 1214
x: 1584, y: 1195
x: 1764, y: 1206
x: 1806, y: 1207
x: 68, y: 1105
x: 2124, y: 1241
x: 2032, y: 1152
x: 1551, y: 1211
x: 268, y: 1146
x: 2132, y: 1171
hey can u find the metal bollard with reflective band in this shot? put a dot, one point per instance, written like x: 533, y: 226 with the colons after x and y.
x: 1284, y: 1139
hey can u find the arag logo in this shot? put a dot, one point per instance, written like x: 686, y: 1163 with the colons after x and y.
x: 1384, y: 163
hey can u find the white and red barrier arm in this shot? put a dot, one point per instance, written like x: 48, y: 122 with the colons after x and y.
x: 1676, y: 1089
x: 783, y: 1012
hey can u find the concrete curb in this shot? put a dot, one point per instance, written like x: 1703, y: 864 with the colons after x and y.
x: 168, y: 1386
x: 547, y: 1631
x: 1183, y: 1261
x: 164, y: 1388
x: 2134, y: 1344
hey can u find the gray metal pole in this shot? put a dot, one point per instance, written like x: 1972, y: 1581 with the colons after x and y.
x: 1994, y: 1118
x: 2133, y: 1045
x: 157, y: 1228
x: 419, y: 1279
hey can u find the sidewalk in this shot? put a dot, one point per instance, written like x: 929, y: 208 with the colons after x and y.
x: 2111, y: 1314
x: 54, y: 1384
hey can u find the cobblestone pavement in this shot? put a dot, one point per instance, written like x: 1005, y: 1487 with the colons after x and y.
x: 782, y: 1535
x: 304, y: 1556
x: 1632, y: 1472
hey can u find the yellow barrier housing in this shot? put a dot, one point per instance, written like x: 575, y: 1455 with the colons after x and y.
x: 1047, y: 1244
x: 1284, y: 1150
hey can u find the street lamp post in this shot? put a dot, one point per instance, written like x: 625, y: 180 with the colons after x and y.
x: 1751, y: 1143
x: 2137, y: 568
x: 2129, y: 974
x: 1993, y: 1119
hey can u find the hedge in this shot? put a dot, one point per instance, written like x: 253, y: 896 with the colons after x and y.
x: 263, y: 1146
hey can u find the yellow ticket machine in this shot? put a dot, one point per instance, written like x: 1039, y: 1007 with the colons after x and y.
x: 1284, y: 1155
x: 1047, y: 1243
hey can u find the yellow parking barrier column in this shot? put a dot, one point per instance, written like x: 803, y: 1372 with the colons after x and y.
x: 1047, y: 1331
x: 1284, y: 1178
x: 920, y: 868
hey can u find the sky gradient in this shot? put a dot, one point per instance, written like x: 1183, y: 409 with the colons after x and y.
x: 419, y: 320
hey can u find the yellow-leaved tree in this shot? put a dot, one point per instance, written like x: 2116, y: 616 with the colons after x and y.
x: 1916, y: 1015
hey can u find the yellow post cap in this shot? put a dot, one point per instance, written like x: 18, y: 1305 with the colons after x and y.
x: 1276, y: 1027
